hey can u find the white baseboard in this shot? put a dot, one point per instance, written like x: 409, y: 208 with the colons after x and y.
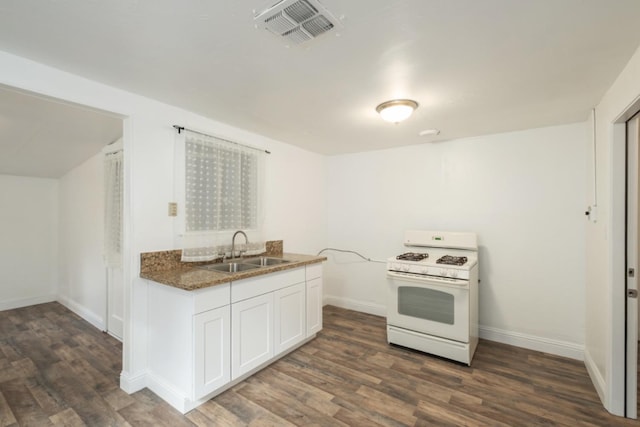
x: 170, y: 395
x: 132, y: 383
x: 355, y: 305
x: 83, y: 312
x: 596, y: 377
x: 25, y: 302
x: 532, y: 342
x: 184, y: 404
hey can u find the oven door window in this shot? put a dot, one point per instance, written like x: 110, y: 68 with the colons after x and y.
x: 427, y: 304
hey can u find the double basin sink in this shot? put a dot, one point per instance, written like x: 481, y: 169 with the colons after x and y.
x: 244, y: 264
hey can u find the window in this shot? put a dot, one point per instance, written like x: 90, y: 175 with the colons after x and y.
x: 222, y: 194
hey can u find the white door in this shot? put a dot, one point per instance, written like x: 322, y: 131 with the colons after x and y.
x: 290, y: 322
x: 113, y: 208
x: 115, y: 302
x: 314, y: 306
x: 251, y: 334
x: 633, y: 187
x: 212, y: 341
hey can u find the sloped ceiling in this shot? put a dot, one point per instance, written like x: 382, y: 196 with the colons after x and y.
x: 46, y: 138
x: 475, y: 67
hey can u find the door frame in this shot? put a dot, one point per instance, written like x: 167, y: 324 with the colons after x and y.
x: 616, y: 229
x: 631, y: 330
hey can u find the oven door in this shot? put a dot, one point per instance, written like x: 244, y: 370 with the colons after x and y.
x: 429, y: 305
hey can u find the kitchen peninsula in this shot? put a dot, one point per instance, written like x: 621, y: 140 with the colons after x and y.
x: 209, y: 330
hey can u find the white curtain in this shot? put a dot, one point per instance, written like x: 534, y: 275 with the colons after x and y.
x: 222, y: 194
x: 114, y: 185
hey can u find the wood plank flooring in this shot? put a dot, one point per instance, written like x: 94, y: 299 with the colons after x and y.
x: 56, y: 369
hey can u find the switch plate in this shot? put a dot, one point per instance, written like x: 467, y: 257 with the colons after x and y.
x: 593, y: 213
x: 173, y: 209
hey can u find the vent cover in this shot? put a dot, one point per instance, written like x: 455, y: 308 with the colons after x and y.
x: 297, y: 20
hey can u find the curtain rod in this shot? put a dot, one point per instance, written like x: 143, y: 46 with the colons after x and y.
x: 181, y: 128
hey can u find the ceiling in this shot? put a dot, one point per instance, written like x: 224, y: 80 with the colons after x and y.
x: 475, y: 67
x: 46, y: 138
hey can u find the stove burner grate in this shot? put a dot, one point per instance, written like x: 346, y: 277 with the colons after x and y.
x: 452, y: 260
x: 412, y: 256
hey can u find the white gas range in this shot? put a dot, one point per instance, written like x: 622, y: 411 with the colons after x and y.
x: 433, y: 294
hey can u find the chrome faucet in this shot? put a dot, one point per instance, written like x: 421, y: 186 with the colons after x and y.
x: 233, y: 243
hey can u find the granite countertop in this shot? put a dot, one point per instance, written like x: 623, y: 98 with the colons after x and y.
x: 190, y: 278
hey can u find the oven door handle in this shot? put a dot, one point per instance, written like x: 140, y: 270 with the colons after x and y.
x: 426, y: 280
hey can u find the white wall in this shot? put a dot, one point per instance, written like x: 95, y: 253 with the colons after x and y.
x: 297, y: 185
x: 295, y: 198
x: 604, y: 344
x: 28, y: 242
x: 521, y: 192
x: 82, y: 283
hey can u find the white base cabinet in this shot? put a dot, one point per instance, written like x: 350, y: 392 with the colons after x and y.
x: 188, y: 343
x: 262, y: 308
x: 202, y: 342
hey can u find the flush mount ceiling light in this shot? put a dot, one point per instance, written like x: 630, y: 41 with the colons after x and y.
x: 396, y: 110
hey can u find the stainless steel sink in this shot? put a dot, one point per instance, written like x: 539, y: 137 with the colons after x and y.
x: 265, y: 261
x: 230, y: 267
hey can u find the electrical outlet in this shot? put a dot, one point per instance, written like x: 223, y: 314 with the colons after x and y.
x: 173, y: 209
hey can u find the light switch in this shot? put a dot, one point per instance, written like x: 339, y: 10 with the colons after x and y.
x: 173, y: 209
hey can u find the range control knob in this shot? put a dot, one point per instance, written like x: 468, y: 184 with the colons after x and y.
x: 454, y: 273
x: 443, y: 272
x: 405, y: 268
x: 425, y: 270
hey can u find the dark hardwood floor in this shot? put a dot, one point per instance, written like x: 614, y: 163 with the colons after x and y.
x: 56, y: 369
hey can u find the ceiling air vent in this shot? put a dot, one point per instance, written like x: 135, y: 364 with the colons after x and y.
x: 297, y: 20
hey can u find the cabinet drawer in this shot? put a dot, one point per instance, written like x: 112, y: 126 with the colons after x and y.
x: 210, y: 298
x: 314, y: 271
x: 255, y: 286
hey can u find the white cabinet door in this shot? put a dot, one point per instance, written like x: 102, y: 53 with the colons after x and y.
x: 314, y: 306
x: 252, y: 333
x: 212, y: 340
x: 289, y: 317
